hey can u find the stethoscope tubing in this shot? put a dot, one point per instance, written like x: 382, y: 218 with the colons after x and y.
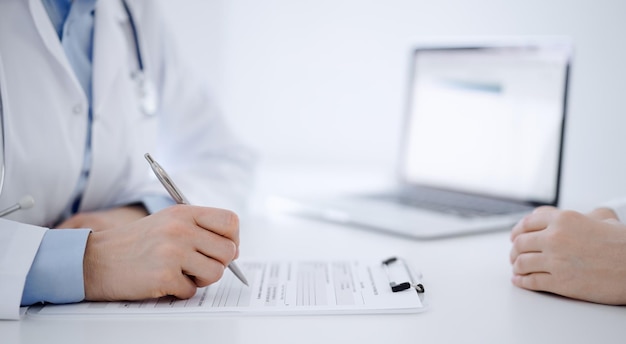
x: 133, y: 27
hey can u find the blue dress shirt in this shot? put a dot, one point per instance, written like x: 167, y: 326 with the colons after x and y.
x: 73, y: 22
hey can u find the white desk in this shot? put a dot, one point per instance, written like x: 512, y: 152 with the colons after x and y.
x: 467, y: 280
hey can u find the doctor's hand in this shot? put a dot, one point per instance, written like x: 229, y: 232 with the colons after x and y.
x: 571, y: 254
x: 105, y: 219
x: 171, y: 252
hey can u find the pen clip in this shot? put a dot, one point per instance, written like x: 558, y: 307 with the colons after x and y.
x: 394, y: 263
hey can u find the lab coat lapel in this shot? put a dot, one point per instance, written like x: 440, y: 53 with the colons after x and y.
x: 109, y: 57
x: 51, y: 39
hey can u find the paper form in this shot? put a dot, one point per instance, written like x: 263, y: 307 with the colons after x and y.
x: 276, y: 287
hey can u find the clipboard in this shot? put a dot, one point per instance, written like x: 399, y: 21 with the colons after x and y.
x: 284, y: 287
x: 409, y: 281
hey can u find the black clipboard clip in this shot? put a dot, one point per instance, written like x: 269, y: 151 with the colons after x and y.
x: 395, y: 265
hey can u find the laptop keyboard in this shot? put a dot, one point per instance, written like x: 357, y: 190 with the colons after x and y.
x: 457, y: 204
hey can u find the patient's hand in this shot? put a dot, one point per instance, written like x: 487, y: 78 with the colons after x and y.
x: 571, y: 254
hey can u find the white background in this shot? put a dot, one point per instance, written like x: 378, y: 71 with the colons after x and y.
x: 324, y: 81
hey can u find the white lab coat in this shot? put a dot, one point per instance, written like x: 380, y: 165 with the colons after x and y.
x: 45, y: 124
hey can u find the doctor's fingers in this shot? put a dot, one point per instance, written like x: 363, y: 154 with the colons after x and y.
x: 203, y: 270
x: 527, y: 243
x: 535, y: 221
x: 199, y: 258
x: 220, y: 221
x: 178, y: 285
x: 214, y: 246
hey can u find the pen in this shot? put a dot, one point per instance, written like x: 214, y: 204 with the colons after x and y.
x: 178, y: 196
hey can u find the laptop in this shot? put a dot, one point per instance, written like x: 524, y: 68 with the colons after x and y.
x: 482, y: 144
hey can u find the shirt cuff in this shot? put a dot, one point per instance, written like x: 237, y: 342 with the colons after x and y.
x: 56, y: 275
x: 156, y: 203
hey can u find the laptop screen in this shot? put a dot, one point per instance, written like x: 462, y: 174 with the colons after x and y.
x: 487, y: 121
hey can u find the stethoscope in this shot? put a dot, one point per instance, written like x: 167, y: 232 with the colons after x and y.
x: 146, y: 93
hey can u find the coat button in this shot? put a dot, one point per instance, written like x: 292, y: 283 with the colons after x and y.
x: 78, y: 109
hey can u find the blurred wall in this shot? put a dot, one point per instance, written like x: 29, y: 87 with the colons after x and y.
x: 324, y: 81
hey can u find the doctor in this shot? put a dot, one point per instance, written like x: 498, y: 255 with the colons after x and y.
x: 86, y: 89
